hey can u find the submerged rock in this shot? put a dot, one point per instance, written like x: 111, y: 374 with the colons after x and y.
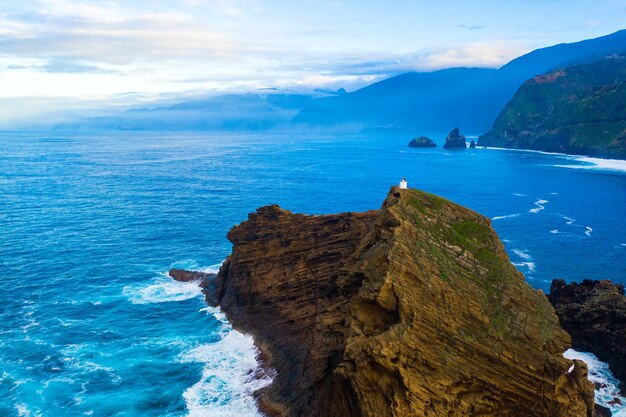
x: 594, y: 314
x: 422, y: 142
x: 411, y: 310
x: 455, y: 140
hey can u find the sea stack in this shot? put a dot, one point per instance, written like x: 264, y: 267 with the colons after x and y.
x: 594, y: 314
x: 472, y: 144
x: 410, y: 310
x: 455, y: 140
x: 422, y: 142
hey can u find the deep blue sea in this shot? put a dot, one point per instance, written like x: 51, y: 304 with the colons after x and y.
x: 90, y: 223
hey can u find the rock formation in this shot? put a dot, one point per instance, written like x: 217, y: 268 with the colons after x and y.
x: 594, y: 314
x: 455, y: 140
x: 411, y: 310
x: 472, y: 144
x: 422, y: 142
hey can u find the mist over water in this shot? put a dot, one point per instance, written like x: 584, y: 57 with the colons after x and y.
x: 91, y: 325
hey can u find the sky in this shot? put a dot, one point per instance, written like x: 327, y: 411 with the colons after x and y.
x: 80, y: 55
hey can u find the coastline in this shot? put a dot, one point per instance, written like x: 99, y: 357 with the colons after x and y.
x: 606, y: 164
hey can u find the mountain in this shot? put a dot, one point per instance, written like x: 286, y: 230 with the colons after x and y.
x: 579, y: 109
x: 469, y: 98
x: 411, y: 310
x: 269, y: 110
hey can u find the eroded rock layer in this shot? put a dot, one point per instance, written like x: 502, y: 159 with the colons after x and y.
x: 412, y: 310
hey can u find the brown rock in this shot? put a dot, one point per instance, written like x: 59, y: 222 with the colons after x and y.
x: 412, y: 310
x: 594, y: 314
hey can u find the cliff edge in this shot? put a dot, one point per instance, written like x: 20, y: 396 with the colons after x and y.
x: 411, y: 310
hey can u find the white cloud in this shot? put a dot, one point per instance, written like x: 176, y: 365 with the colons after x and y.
x: 479, y: 54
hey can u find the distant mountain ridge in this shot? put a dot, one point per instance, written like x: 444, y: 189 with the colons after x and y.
x: 579, y: 109
x: 470, y: 98
x: 254, y: 111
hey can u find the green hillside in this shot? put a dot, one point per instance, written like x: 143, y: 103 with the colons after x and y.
x: 576, y: 110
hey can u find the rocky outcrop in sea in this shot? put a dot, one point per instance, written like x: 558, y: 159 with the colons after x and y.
x: 410, y: 310
x: 455, y: 140
x: 422, y: 142
x: 594, y: 314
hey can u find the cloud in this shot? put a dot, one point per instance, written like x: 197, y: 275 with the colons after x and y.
x: 473, y: 27
x: 109, y: 33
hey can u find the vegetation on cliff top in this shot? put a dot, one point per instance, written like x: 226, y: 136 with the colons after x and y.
x: 575, y: 110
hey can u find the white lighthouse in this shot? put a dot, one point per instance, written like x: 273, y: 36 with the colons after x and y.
x: 403, y: 184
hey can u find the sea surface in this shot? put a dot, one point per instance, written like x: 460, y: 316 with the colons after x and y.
x: 91, y: 325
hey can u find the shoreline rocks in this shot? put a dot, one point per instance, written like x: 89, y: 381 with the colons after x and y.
x: 594, y: 314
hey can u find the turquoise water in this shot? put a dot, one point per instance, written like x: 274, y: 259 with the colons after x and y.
x: 91, y: 325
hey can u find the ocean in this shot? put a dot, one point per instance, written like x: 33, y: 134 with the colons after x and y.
x: 91, y: 325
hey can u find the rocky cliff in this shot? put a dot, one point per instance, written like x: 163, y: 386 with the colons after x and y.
x: 594, y: 314
x: 411, y: 310
x: 575, y: 110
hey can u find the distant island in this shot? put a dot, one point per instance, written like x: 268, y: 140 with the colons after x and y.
x: 577, y: 110
x: 422, y: 142
x: 455, y: 140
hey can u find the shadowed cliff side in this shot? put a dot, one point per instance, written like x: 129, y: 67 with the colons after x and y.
x: 412, y: 310
x: 594, y: 314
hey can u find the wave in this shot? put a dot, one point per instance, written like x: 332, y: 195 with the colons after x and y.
x: 569, y: 220
x: 522, y: 253
x: 554, y: 231
x: 607, y: 386
x: 529, y: 265
x: 539, y: 205
x: 506, y: 216
x: 588, y: 231
x: 600, y: 164
x: 230, y: 376
x: 161, y: 290
x: 519, y: 195
x: 164, y: 289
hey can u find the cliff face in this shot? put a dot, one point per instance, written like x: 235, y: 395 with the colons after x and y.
x: 594, y: 314
x: 412, y: 310
x: 575, y: 110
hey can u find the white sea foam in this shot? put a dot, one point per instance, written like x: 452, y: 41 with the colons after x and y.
x: 602, y: 377
x: 569, y: 220
x: 588, y: 231
x: 599, y: 164
x: 230, y: 376
x: 529, y: 265
x: 506, y: 216
x: 522, y: 253
x: 162, y: 289
x: 554, y: 231
x: 519, y: 195
x: 539, y: 205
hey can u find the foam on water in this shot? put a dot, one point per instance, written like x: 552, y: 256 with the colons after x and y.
x: 599, y: 164
x: 522, y: 253
x: 160, y: 290
x: 506, y: 216
x: 539, y: 205
x: 230, y: 376
x: 554, y: 231
x: 606, y: 384
x: 529, y: 265
x: 588, y: 231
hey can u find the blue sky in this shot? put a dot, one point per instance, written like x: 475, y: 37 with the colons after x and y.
x: 57, y: 55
